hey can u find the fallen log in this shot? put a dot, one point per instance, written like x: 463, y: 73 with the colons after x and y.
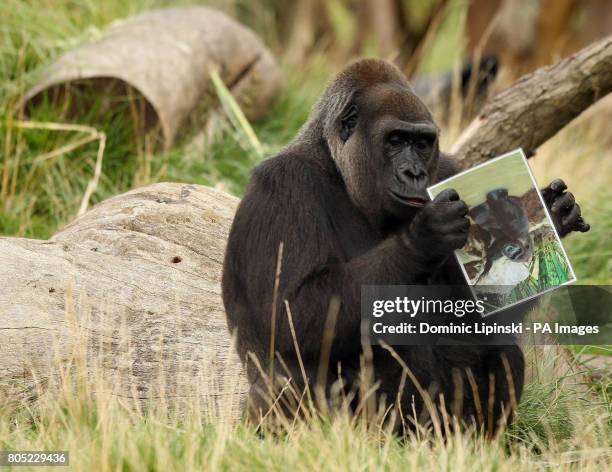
x: 130, y: 292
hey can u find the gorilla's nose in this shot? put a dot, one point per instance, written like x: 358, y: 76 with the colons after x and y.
x: 410, y: 170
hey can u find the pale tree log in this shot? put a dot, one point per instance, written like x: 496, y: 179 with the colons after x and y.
x: 129, y: 293
x: 538, y: 105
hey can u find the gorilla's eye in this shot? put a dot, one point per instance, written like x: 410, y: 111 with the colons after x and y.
x: 348, y: 122
x: 351, y: 121
x: 395, y: 139
x: 422, y: 145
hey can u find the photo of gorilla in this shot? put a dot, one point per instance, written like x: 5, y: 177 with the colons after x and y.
x: 501, y: 225
x: 512, y: 252
x: 344, y: 205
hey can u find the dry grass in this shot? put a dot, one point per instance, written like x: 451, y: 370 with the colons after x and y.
x: 557, y: 426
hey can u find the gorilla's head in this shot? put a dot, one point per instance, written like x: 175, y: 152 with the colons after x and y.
x: 381, y: 137
x: 505, y: 219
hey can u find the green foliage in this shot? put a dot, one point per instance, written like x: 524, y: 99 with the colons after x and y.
x: 552, y: 267
x: 547, y: 269
x: 39, y: 194
x: 591, y: 253
x: 555, y: 428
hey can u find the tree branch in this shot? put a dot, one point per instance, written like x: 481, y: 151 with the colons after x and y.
x: 538, y: 105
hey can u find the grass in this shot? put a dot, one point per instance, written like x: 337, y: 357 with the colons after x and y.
x: 558, y: 425
x: 548, y: 269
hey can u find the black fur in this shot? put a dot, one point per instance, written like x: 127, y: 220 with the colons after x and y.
x: 502, y: 224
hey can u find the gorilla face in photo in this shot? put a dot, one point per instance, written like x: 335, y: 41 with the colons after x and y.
x: 506, y: 227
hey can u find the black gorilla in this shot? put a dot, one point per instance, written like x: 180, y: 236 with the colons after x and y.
x: 501, y: 223
x: 347, y: 200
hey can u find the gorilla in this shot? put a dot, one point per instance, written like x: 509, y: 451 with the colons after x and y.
x: 345, y: 205
x: 501, y: 223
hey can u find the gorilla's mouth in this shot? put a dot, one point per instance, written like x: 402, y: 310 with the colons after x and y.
x: 413, y: 201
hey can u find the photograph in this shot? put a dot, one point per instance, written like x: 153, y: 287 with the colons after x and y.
x: 513, y: 252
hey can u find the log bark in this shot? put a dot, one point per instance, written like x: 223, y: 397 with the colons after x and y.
x: 129, y: 293
x: 538, y: 105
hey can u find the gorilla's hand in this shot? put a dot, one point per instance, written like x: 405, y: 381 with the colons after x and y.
x: 441, y: 226
x: 564, y: 210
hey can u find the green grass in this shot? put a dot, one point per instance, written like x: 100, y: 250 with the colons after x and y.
x: 548, y: 269
x: 557, y: 426
x: 37, y: 197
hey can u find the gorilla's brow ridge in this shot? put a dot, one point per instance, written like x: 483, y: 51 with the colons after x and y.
x: 418, y: 128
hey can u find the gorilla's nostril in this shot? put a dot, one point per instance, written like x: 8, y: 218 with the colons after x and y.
x: 412, y: 171
x: 410, y: 178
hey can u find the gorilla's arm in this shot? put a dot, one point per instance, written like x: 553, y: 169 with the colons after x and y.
x: 289, y: 204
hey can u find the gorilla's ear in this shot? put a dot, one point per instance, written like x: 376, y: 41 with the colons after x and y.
x: 348, y: 122
x: 499, y: 194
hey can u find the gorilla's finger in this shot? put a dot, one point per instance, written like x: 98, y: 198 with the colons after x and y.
x: 563, y: 203
x: 572, y: 217
x: 456, y: 240
x: 557, y: 186
x: 457, y: 208
x: 582, y: 225
x: 447, y: 195
x: 462, y: 208
x: 456, y: 225
x: 462, y: 225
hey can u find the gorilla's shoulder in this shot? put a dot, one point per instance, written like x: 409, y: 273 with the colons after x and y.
x: 291, y: 170
x: 447, y: 167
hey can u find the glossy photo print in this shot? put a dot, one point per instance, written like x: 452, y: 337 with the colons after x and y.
x: 513, y: 252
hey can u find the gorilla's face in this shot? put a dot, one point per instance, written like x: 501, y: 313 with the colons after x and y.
x: 387, y: 151
x: 505, y: 218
